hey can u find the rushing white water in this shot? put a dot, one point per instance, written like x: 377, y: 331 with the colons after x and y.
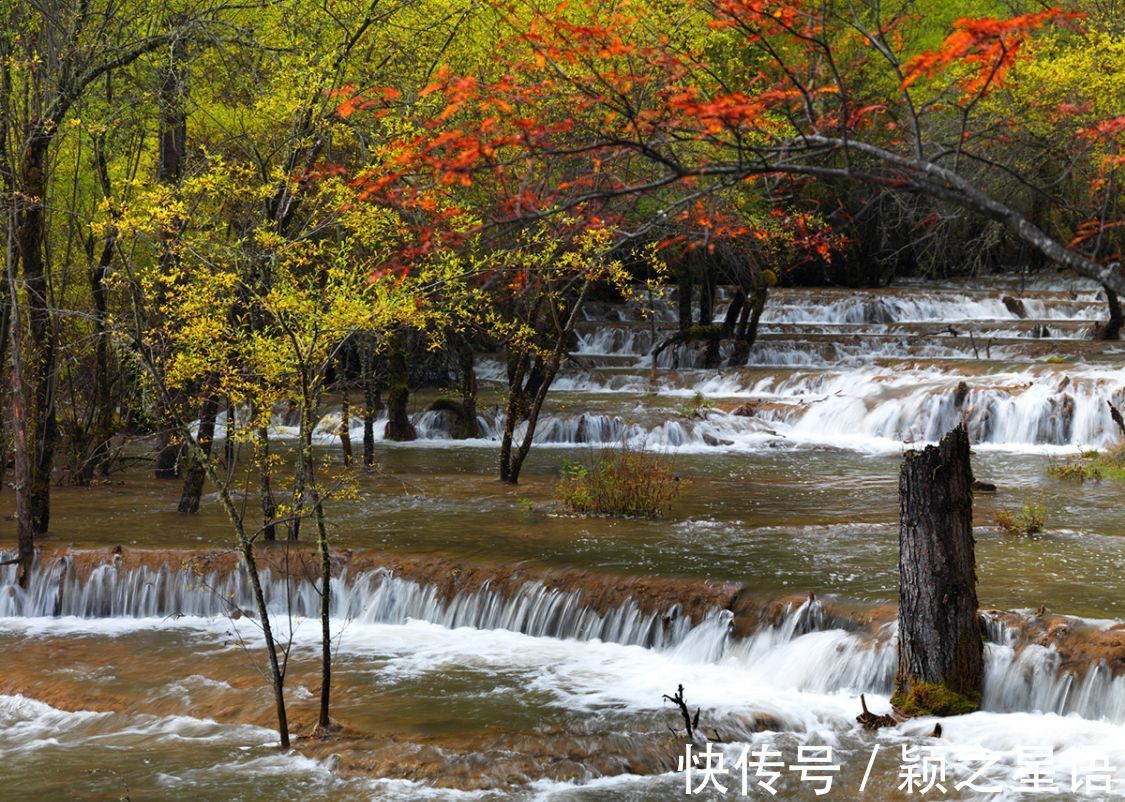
x: 805, y: 651
x: 377, y: 596
x: 871, y: 371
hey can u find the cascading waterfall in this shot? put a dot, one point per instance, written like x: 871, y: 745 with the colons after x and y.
x: 803, y: 648
x: 856, y: 369
x: 376, y: 596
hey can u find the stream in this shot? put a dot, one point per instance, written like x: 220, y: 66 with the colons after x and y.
x: 490, y: 646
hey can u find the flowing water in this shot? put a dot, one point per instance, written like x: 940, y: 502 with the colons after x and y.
x: 491, y: 647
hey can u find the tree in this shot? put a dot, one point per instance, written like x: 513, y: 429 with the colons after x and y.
x: 777, y: 96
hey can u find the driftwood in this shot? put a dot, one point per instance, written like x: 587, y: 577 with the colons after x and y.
x: 1116, y: 415
x: 691, y: 723
x: 870, y: 721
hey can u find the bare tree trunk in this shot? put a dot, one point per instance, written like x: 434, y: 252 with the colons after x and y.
x: 684, y: 295
x: 11, y: 252
x: 1112, y: 330
x: 196, y: 473
x: 97, y: 462
x: 25, y: 531
x: 398, y: 426
x: 746, y: 331
x: 940, y: 641
x: 511, y: 462
x: 372, y: 402
x: 265, y: 491
x: 171, y: 153
x: 30, y: 237
x: 471, y: 427
x: 707, y: 297
x: 345, y: 429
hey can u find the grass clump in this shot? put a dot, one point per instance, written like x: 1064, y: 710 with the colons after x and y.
x: 698, y: 407
x: 1091, y: 466
x: 1028, y: 519
x: 623, y: 482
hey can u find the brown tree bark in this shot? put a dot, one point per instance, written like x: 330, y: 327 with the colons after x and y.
x: 468, y: 377
x: 196, y: 473
x: 41, y: 358
x: 512, y: 459
x: 1112, y: 329
x: 683, y: 298
x: 398, y: 426
x: 171, y: 152
x: 940, y: 645
x: 346, y: 428
x: 25, y: 532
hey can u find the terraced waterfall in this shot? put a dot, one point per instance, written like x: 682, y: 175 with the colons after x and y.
x: 490, y: 647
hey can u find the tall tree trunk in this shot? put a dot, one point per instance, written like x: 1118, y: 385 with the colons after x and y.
x: 747, y: 330
x: 345, y: 428
x: 940, y: 640
x: 98, y: 460
x: 511, y: 461
x: 11, y: 251
x: 707, y: 297
x: 41, y: 358
x: 468, y: 380
x: 684, y: 294
x: 196, y: 473
x: 372, y: 401
x: 25, y: 532
x: 265, y: 491
x: 171, y: 153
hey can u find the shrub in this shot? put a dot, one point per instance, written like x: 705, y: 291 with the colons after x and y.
x: 1074, y: 470
x: 1091, y: 466
x: 623, y: 482
x: 698, y: 407
x: 1027, y: 520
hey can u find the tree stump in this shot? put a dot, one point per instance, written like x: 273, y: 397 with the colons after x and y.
x: 940, y: 643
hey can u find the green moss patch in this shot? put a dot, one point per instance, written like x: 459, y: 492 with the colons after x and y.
x: 932, y: 699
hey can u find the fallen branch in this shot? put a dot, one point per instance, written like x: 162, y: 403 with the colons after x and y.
x: 1116, y: 415
x: 691, y: 723
x: 870, y: 721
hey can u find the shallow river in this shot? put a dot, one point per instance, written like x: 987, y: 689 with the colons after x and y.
x: 480, y: 698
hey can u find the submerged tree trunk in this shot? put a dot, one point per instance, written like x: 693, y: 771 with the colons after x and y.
x: 265, y: 489
x: 25, y: 532
x: 398, y: 426
x: 470, y: 425
x: 746, y: 331
x: 197, y: 472
x: 685, y: 288
x: 346, y: 428
x: 170, y: 157
x: 1112, y: 329
x: 940, y: 646
x: 372, y: 401
x: 707, y: 297
x: 511, y: 460
x: 246, y: 547
x: 40, y: 359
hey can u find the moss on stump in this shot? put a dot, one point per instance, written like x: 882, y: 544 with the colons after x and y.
x: 932, y: 699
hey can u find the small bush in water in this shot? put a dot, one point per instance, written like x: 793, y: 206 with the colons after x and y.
x: 622, y: 482
x: 1027, y: 520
